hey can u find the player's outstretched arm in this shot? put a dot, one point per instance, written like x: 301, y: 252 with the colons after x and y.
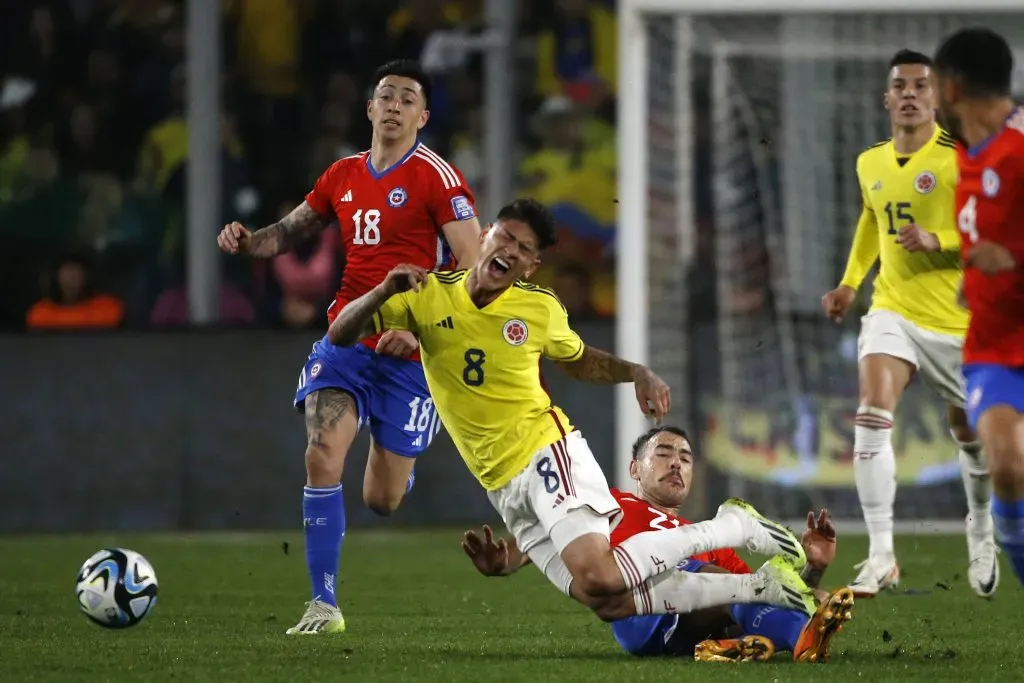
x: 863, y: 254
x: 601, y: 367
x: 355, y: 321
x: 277, y: 238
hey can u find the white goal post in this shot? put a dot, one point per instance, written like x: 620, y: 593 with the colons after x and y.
x: 780, y: 153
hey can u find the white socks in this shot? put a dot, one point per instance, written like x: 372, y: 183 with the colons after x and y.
x: 977, y: 484
x: 682, y: 592
x: 874, y: 470
x: 648, y: 554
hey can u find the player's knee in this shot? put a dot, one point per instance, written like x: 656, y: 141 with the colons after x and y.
x: 959, y: 427
x: 382, y: 503
x: 323, y: 465
x: 1006, y: 462
x: 614, y: 607
x: 598, y: 580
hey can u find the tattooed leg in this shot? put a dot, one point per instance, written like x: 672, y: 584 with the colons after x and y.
x: 331, y: 426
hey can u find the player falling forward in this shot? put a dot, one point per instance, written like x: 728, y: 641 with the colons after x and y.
x: 398, y: 202
x: 975, y: 68
x: 662, y: 467
x: 482, y: 333
x: 915, y: 324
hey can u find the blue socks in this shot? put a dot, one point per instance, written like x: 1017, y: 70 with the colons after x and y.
x: 1008, y: 516
x: 781, y: 626
x: 323, y: 516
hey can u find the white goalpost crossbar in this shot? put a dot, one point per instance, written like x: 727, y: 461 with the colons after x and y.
x: 633, y: 298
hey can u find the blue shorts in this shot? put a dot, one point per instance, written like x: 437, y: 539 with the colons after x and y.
x: 391, y: 393
x: 652, y: 636
x: 657, y: 634
x: 990, y: 385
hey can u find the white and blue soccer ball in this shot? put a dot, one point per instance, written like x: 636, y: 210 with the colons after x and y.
x: 116, y: 588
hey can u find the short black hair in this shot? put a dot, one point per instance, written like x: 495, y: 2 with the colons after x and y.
x: 641, y: 443
x: 534, y: 214
x: 909, y: 57
x: 980, y: 59
x: 405, y: 68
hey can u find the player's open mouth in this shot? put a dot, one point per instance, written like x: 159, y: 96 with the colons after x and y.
x: 497, y: 266
x: 391, y: 122
x: 908, y: 109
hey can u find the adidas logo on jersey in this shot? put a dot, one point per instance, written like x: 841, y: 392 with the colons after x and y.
x: 877, y: 186
x: 446, y: 324
x: 347, y: 197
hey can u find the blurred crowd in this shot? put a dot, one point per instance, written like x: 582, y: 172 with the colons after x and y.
x: 94, y: 145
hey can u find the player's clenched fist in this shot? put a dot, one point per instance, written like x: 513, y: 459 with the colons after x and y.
x: 990, y: 258
x: 915, y: 238
x: 405, y: 277
x: 234, y: 239
x: 652, y: 394
x: 837, y: 302
x: 397, y: 343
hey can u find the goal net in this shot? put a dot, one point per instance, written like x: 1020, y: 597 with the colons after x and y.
x: 742, y: 181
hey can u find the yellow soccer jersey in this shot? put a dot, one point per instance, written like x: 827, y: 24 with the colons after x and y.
x: 922, y: 287
x: 483, y: 368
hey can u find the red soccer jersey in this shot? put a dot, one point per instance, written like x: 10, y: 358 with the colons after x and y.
x: 639, y: 516
x: 990, y: 207
x: 390, y: 218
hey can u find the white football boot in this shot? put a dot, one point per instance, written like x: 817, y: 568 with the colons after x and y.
x: 983, y: 570
x: 320, y: 617
x: 765, y: 536
x: 876, y: 574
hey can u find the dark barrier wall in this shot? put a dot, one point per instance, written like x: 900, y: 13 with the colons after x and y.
x: 196, y: 431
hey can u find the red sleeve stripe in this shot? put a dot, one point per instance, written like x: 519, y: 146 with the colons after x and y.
x: 443, y: 168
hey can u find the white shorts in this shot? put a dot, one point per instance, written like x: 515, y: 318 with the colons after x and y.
x: 937, y: 357
x: 559, y: 497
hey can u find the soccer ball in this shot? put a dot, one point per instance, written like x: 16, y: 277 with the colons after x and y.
x: 116, y: 588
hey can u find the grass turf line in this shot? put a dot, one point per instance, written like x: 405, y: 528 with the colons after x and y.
x: 417, y: 611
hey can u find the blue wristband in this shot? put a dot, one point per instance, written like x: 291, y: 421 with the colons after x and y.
x: 690, y: 565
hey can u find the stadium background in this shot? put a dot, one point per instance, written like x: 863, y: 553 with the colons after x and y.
x: 147, y: 418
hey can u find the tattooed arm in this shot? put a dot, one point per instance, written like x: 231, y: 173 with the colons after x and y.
x: 277, y: 238
x: 602, y: 367
x: 356, y: 320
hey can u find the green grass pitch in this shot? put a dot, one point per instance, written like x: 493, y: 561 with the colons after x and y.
x: 417, y: 611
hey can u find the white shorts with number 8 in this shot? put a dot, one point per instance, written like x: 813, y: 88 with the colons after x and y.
x: 559, y: 497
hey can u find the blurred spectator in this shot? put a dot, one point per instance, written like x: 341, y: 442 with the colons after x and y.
x: 268, y: 54
x: 15, y: 94
x: 94, y: 136
x: 171, y: 308
x: 72, y: 303
x: 307, y: 277
x: 574, y: 174
x: 572, y: 284
x: 577, y: 55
